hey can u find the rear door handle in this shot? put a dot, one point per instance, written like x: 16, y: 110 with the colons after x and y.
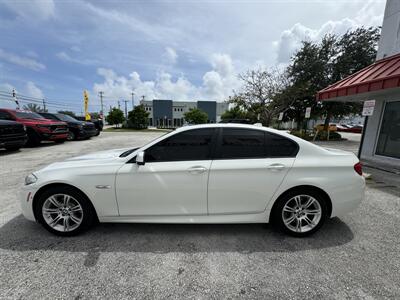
x: 276, y: 167
x: 197, y: 170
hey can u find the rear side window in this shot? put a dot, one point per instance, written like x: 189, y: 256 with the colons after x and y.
x: 279, y: 146
x: 241, y: 143
x: 188, y: 145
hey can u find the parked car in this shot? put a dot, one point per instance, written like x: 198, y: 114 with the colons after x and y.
x: 77, y: 129
x: 320, y: 127
x: 98, y: 123
x: 37, y: 128
x: 211, y: 173
x: 12, y: 135
x: 350, y: 128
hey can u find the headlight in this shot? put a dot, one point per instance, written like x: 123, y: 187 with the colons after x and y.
x: 30, y: 179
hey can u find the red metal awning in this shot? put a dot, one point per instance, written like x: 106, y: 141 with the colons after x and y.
x: 381, y: 75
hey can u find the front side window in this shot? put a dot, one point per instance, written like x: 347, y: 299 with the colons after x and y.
x: 241, y: 143
x: 188, y: 145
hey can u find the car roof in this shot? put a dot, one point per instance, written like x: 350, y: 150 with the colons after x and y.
x: 239, y: 125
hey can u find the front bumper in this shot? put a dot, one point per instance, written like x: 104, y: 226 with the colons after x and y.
x: 54, y: 136
x: 15, y: 140
x: 26, y: 195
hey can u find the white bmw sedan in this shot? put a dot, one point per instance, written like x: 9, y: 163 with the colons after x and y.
x: 215, y: 173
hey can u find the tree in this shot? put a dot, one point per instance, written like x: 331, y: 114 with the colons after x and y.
x: 260, y: 91
x: 138, y: 117
x: 196, y: 116
x: 67, y: 112
x: 235, y: 112
x: 317, y: 65
x: 34, y: 108
x: 115, y: 117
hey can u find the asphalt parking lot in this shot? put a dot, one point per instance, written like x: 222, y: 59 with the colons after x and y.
x: 357, y: 256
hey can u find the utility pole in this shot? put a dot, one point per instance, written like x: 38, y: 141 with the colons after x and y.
x: 14, y: 95
x: 126, y: 108
x: 44, y: 105
x: 133, y: 100
x: 119, y: 105
x: 101, y: 103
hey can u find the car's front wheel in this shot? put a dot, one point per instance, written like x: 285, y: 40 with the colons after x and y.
x: 301, y: 213
x: 64, y: 211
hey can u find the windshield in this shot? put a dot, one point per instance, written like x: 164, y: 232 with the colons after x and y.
x: 66, y: 118
x: 28, y: 115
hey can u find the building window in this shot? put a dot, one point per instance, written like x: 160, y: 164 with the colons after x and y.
x: 389, y: 136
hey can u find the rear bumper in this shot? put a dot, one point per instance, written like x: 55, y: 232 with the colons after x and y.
x: 345, y: 199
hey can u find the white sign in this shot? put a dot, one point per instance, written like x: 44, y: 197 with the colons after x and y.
x: 368, y: 108
x: 280, y: 118
x: 308, y: 112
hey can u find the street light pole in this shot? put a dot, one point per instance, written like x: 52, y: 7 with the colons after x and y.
x: 133, y: 100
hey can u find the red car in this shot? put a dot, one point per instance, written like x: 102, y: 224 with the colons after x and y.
x: 38, y: 128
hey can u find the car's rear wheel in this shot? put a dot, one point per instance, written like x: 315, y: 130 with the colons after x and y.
x: 301, y: 213
x: 64, y: 211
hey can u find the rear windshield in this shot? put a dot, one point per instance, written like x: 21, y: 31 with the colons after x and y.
x: 28, y: 115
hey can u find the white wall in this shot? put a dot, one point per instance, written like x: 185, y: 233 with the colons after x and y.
x: 389, y: 43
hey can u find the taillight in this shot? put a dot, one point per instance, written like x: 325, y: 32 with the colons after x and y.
x: 358, y: 168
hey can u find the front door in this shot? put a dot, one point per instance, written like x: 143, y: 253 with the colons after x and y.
x: 173, y: 180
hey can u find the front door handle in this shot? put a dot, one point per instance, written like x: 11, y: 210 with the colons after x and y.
x: 197, y: 170
x: 276, y: 167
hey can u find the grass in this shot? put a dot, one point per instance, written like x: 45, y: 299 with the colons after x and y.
x: 113, y: 129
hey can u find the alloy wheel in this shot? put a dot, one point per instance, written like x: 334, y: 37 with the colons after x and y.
x: 62, y: 212
x: 301, y: 213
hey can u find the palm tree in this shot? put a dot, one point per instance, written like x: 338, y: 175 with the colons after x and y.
x: 34, y: 107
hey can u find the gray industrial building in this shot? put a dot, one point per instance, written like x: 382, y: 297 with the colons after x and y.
x: 380, y: 81
x: 170, y: 114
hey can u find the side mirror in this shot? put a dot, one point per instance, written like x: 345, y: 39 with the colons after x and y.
x: 140, y: 158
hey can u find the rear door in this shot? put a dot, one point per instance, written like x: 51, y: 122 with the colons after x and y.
x: 248, y: 167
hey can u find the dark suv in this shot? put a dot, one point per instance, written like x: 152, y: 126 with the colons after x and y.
x: 12, y: 135
x: 38, y: 128
x: 98, y: 123
x: 77, y: 129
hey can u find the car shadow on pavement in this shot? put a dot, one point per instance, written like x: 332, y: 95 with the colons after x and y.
x: 21, y: 235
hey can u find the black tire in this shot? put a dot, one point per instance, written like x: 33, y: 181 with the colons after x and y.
x: 278, y: 214
x: 13, y: 148
x: 97, y: 132
x: 71, y: 136
x: 33, y: 138
x: 88, y: 214
x: 60, y: 141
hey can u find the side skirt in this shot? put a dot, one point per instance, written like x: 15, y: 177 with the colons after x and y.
x: 199, y: 219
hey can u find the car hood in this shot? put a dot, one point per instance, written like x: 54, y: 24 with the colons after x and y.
x: 108, y: 154
x: 97, y: 159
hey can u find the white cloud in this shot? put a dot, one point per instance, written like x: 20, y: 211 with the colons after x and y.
x: 26, y: 62
x: 33, y: 9
x: 290, y: 39
x: 33, y: 91
x: 64, y: 56
x: 217, y: 84
x: 170, y: 55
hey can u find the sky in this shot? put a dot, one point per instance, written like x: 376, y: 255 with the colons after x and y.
x: 180, y: 50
